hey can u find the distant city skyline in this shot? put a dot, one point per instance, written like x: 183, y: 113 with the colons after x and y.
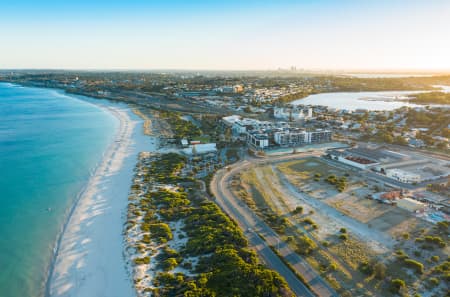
x: 226, y: 35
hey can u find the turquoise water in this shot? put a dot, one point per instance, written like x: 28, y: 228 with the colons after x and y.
x: 49, y: 145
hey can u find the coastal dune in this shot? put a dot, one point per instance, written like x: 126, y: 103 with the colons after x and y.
x: 89, y: 257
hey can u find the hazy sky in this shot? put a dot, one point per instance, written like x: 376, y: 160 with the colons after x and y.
x: 228, y: 34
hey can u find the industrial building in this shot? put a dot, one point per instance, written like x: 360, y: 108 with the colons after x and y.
x: 354, y: 160
x: 403, y: 176
x: 403, y: 166
x: 411, y: 204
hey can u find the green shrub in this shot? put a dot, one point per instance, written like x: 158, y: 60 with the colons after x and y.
x: 435, y: 240
x: 343, y: 236
x: 366, y: 268
x: 332, y: 266
x: 308, y: 221
x: 169, y: 264
x: 401, y: 255
x: 417, y: 266
x: 343, y: 230
x: 298, y: 210
x: 305, y: 245
x: 397, y: 285
x: 433, y: 281
x: 435, y: 258
x: 290, y: 239
x: 140, y: 261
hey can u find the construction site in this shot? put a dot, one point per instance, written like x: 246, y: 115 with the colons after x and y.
x: 341, y: 217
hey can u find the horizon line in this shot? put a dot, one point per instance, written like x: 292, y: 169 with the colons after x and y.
x: 287, y: 69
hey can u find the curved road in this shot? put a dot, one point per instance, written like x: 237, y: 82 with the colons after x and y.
x: 255, y: 226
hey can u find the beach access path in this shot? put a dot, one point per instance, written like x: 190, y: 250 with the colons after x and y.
x: 89, y: 259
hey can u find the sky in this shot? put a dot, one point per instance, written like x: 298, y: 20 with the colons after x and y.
x: 225, y: 35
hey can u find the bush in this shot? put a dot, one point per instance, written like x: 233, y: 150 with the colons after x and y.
x: 405, y: 236
x: 443, y: 226
x: 435, y: 240
x: 413, y: 264
x: 366, y: 268
x: 435, y: 259
x: 298, y: 210
x: 343, y: 236
x: 397, y: 285
x: 305, y: 245
x: 433, y: 281
x: 308, y: 221
x: 401, y: 255
x: 332, y: 267
x: 343, y: 230
x: 140, y: 261
x: 169, y: 264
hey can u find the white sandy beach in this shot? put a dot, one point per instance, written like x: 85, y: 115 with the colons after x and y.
x: 90, y: 259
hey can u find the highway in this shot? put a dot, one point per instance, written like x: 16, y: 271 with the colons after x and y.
x: 254, y: 227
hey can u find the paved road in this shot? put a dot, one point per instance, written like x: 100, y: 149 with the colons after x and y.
x: 254, y: 225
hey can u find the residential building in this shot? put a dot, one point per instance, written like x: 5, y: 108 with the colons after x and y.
x: 258, y: 140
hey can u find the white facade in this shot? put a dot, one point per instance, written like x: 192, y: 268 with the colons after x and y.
x: 403, y: 176
x: 292, y: 113
x: 342, y: 158
x: 290, y: 137
x: 351, y: 163
x: 240, y: 126
x: 297, y: 137
x: 258, y: 140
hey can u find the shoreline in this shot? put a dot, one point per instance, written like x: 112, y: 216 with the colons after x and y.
x: 87, y: 258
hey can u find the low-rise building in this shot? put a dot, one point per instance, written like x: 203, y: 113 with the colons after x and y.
x: 403, y: 176
x: 352, y: 160
x: 200, y: 149
x: 411, y: 204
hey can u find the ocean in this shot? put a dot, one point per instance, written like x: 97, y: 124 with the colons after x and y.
x: 50, y: 143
